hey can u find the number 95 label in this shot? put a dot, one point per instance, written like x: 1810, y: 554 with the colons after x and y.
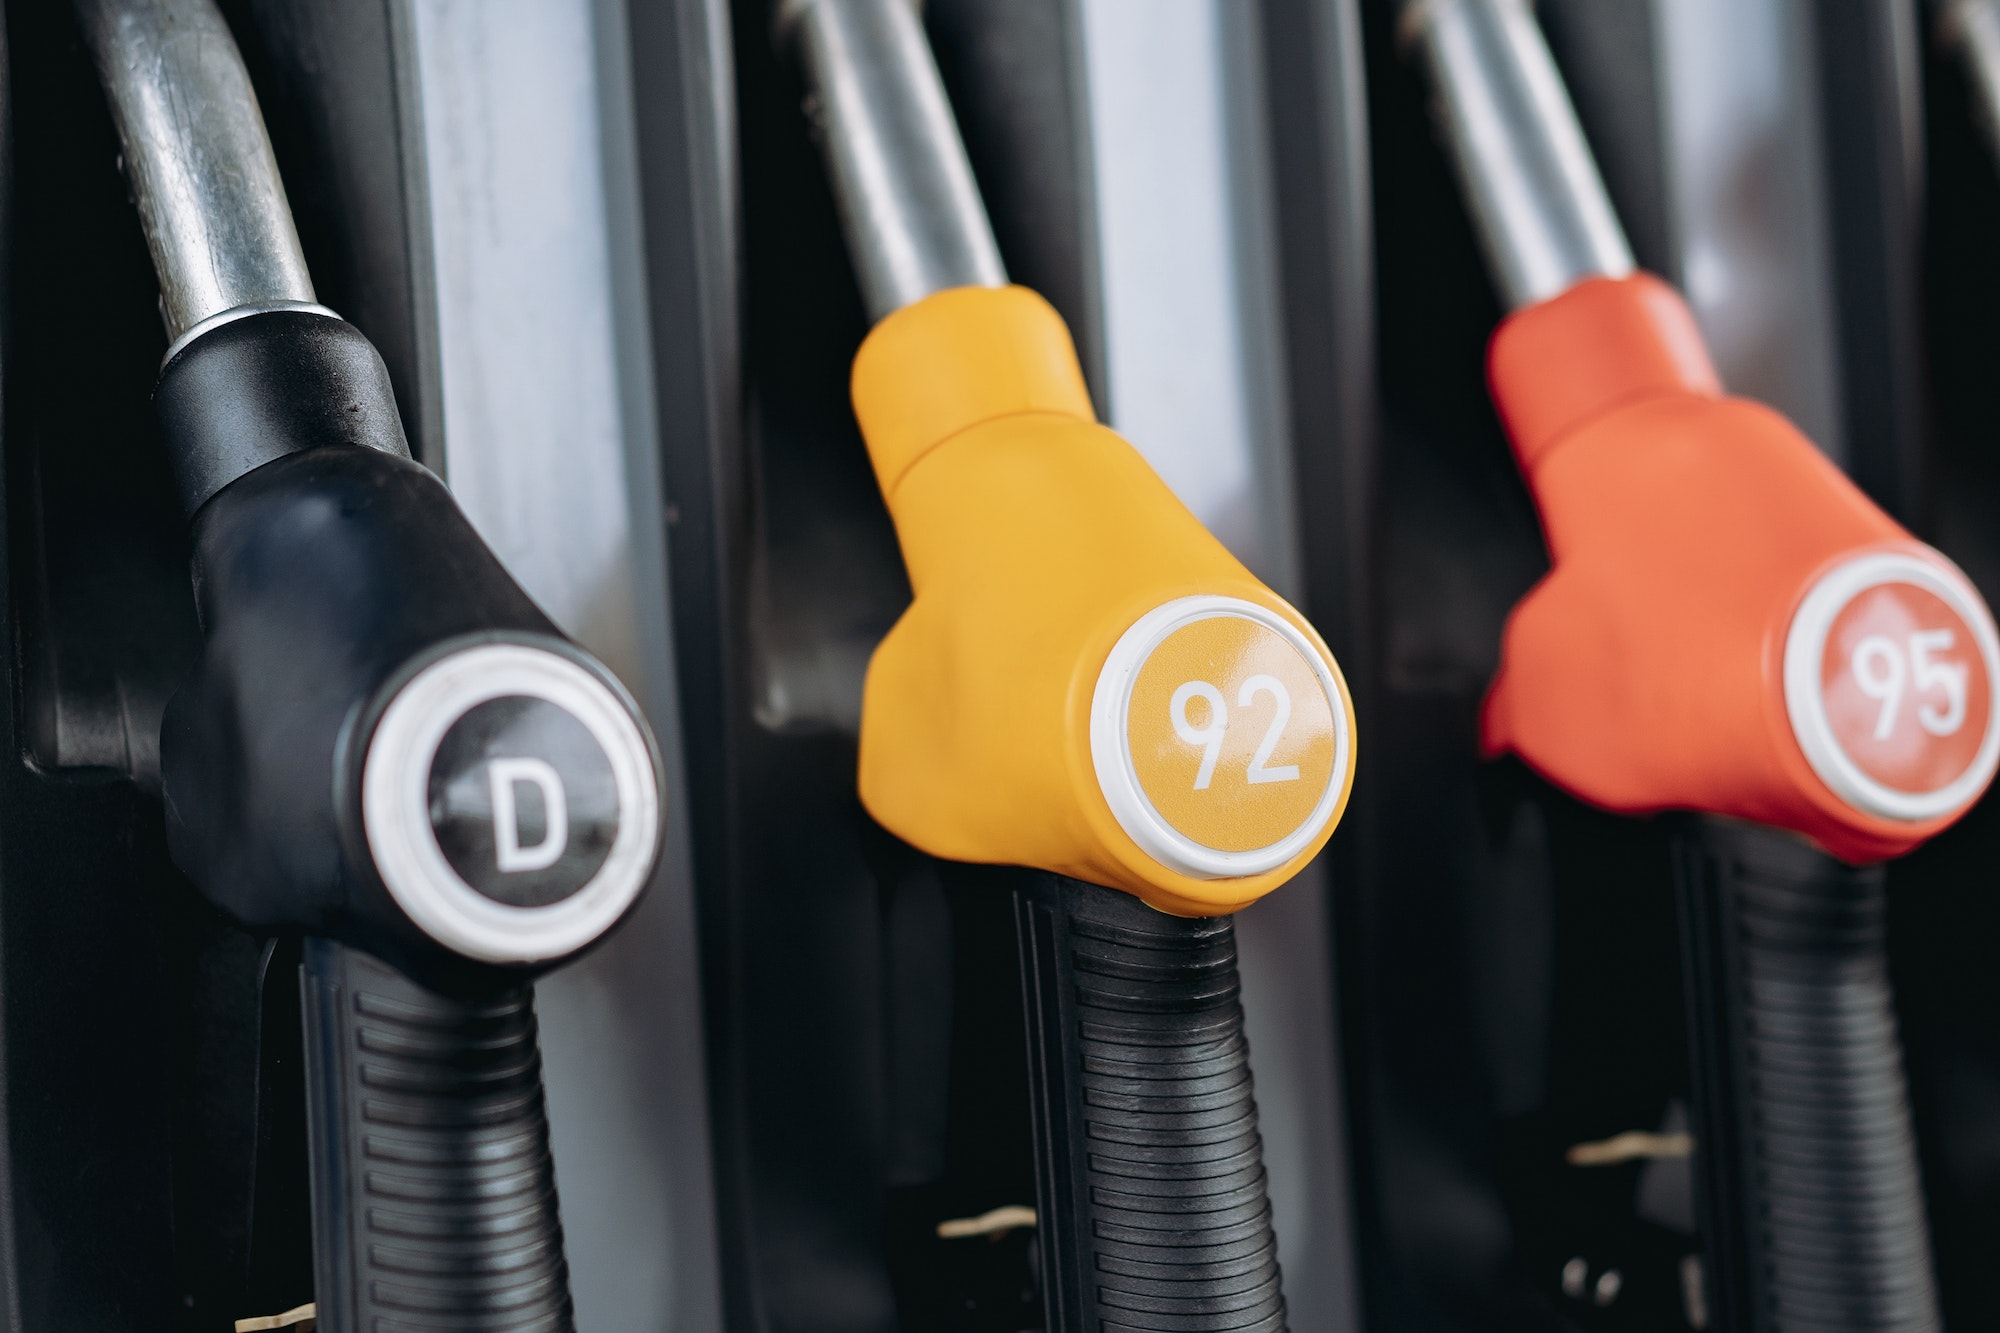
x: 1221, y: 737
x: 1889, y: 669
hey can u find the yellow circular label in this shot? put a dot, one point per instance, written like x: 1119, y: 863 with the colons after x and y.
x: 1232, y: 737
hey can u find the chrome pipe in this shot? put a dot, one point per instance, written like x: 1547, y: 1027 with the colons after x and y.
x: 1971, y: 30
x: 1539, y: 205
x: 908, y: 202
x: 198, y: 159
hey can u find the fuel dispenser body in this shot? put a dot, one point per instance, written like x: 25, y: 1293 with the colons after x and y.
x: 828, y: 1075
x: 1938, y: 901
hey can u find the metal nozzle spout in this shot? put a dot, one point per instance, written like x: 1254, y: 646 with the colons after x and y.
x: 1542, y: 213
x: 198, y: 158
x: 908, y: 201
x: 1972, y: 29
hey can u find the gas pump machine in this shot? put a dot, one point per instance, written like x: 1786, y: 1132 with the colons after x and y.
x: 959, y: 753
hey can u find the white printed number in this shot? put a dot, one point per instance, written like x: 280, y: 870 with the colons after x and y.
x: 1883, y: 672
x: 1210, y: 737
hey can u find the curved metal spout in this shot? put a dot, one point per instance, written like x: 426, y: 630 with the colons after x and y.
x: 1541, y: 209
x: 198, y: 158
x: 1972, y: 29
x: 908, y: 202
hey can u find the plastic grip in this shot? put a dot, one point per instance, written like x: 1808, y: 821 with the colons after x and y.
x: 434, y: 1196
x: 1035, y: 540
x: 1696, y: 644
x: 258, y: 389
x: 1153, y: 1212
x: 1813, y: 1206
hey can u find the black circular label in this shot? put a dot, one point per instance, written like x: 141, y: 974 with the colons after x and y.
x: 523, y: 801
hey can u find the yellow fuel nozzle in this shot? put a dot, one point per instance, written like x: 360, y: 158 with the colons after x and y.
x: 1087, y: 681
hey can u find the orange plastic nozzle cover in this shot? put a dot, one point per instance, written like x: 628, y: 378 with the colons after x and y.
x: 1646, y: 671
x: 1605, y: 341
x: 1035, y: 538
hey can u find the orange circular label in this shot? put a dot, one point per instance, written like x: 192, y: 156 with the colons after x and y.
x: 1904, y: 688
x: 1232, y: 737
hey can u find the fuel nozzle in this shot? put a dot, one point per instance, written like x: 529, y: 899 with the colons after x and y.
x: 1045, y: 553
x: 1729, y: 627
x: 384, y: 743
x: 1773, y: 647
x: 909, y: 205
x: 1971, y: 30
x: 1087, y: 685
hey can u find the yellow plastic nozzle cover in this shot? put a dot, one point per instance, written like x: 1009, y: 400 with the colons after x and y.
x: 1086, y: 681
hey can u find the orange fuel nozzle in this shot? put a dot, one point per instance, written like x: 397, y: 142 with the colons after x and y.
x: 1730, y: 625
x: 1087, y: 681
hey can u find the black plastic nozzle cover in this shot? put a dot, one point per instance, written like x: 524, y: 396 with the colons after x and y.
x: 328, y: 567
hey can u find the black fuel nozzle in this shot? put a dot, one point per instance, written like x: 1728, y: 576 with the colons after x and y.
x: 384, y: 744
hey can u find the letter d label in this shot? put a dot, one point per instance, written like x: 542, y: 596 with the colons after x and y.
x: 508, y: 853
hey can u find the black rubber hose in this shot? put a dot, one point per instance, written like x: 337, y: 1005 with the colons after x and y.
x: 1150, y: 1191
x: 434, y: 1196
x: 1812, y: 1206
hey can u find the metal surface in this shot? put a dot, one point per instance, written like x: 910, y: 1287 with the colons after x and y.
x: 1869, y: 93
x: 1014, y: 70
x: 1747, y: 193
x: 1185, y: 253
x: 197, y: 156
x: 1195, y: 351
x: 234, y: 313
x: 1971, y: 29
x: 547, y: 431
x: 1542, y: 212
x: 908, y: 202
x: 1309, y: 78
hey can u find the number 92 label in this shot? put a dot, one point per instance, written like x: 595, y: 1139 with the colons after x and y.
x: 1220, y: 734
x: 1889, y: 669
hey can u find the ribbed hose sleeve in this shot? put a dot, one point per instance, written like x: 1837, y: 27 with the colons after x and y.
x: 1150, y: 1188
x: 1812, y: 1205
x: 434, y: 1196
